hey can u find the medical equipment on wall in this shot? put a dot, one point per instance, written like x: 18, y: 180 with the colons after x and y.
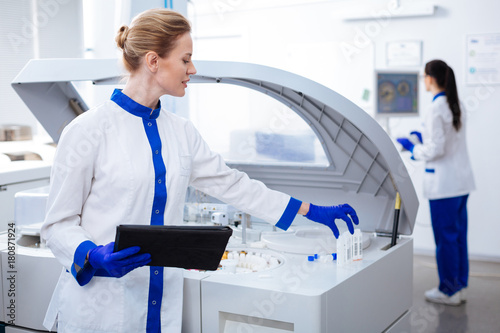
x: 364, y: 169
x: 397, y: 93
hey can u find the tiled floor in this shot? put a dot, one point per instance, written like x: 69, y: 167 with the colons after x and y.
x: 481, y: 312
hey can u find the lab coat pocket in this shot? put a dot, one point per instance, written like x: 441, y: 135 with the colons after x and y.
x: 430, y: 182
x: 94, y: 306
x: 185, y: 162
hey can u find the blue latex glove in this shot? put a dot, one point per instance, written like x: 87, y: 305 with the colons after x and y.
x: 119, y: 263
x: 419, y: 135
x: 407, y: 144
x: 327, y: 214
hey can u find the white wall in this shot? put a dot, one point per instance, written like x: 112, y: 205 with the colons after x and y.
x: 306, y: 38
x: 33, y: 29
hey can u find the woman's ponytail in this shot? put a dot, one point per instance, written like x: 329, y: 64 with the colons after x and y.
x: 445, y: 78
x: 452, y: 97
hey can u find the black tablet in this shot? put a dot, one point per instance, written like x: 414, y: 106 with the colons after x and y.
x: 190, y: 247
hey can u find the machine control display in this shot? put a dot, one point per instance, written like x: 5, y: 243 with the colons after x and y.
x: 397, y: 94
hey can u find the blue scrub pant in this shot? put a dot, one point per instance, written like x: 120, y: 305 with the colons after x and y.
x: 449, y: 222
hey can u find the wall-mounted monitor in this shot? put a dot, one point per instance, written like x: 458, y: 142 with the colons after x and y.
x: 397, y: 93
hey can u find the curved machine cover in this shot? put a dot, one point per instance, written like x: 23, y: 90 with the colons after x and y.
x: 365, y: 169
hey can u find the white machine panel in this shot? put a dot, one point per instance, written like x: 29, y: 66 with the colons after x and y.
x: 302, y: 296
x: 34, y: 277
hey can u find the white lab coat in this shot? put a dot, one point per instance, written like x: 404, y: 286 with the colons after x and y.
x: 103, y: 176
x: 448, y: 169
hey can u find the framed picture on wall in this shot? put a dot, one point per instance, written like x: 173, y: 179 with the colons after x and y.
x: 483, y: 59
x: 404, y: 54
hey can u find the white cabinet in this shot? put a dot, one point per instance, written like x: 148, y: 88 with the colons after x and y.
x: 13, y: 181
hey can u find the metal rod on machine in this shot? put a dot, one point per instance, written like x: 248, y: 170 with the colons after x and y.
x: 395, y: 226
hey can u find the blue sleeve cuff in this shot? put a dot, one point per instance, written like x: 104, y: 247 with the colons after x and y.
x: 289, y: 214
x: 82, y: 273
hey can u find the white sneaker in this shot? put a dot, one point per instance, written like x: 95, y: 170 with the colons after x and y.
x: 436, y: 296
x: 463, y: 296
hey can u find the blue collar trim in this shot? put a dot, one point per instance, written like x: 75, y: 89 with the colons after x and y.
x: 442, y: 93
x: 131, y: 106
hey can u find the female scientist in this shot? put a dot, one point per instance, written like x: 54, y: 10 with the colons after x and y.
x: 128, y: 161
x: 448, y: 180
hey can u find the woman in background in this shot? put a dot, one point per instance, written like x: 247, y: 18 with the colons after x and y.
x: 448, y: 180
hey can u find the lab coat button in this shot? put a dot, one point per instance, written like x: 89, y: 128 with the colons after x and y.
x: 153, y: 302
x: 159, y: 181
x: 150, y: 124
x: 156, y: 152
x: 156, y: 272
x: 157, y: 212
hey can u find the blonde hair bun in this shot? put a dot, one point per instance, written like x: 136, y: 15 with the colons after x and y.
x: 153, y: 30
x: 121, y: 36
